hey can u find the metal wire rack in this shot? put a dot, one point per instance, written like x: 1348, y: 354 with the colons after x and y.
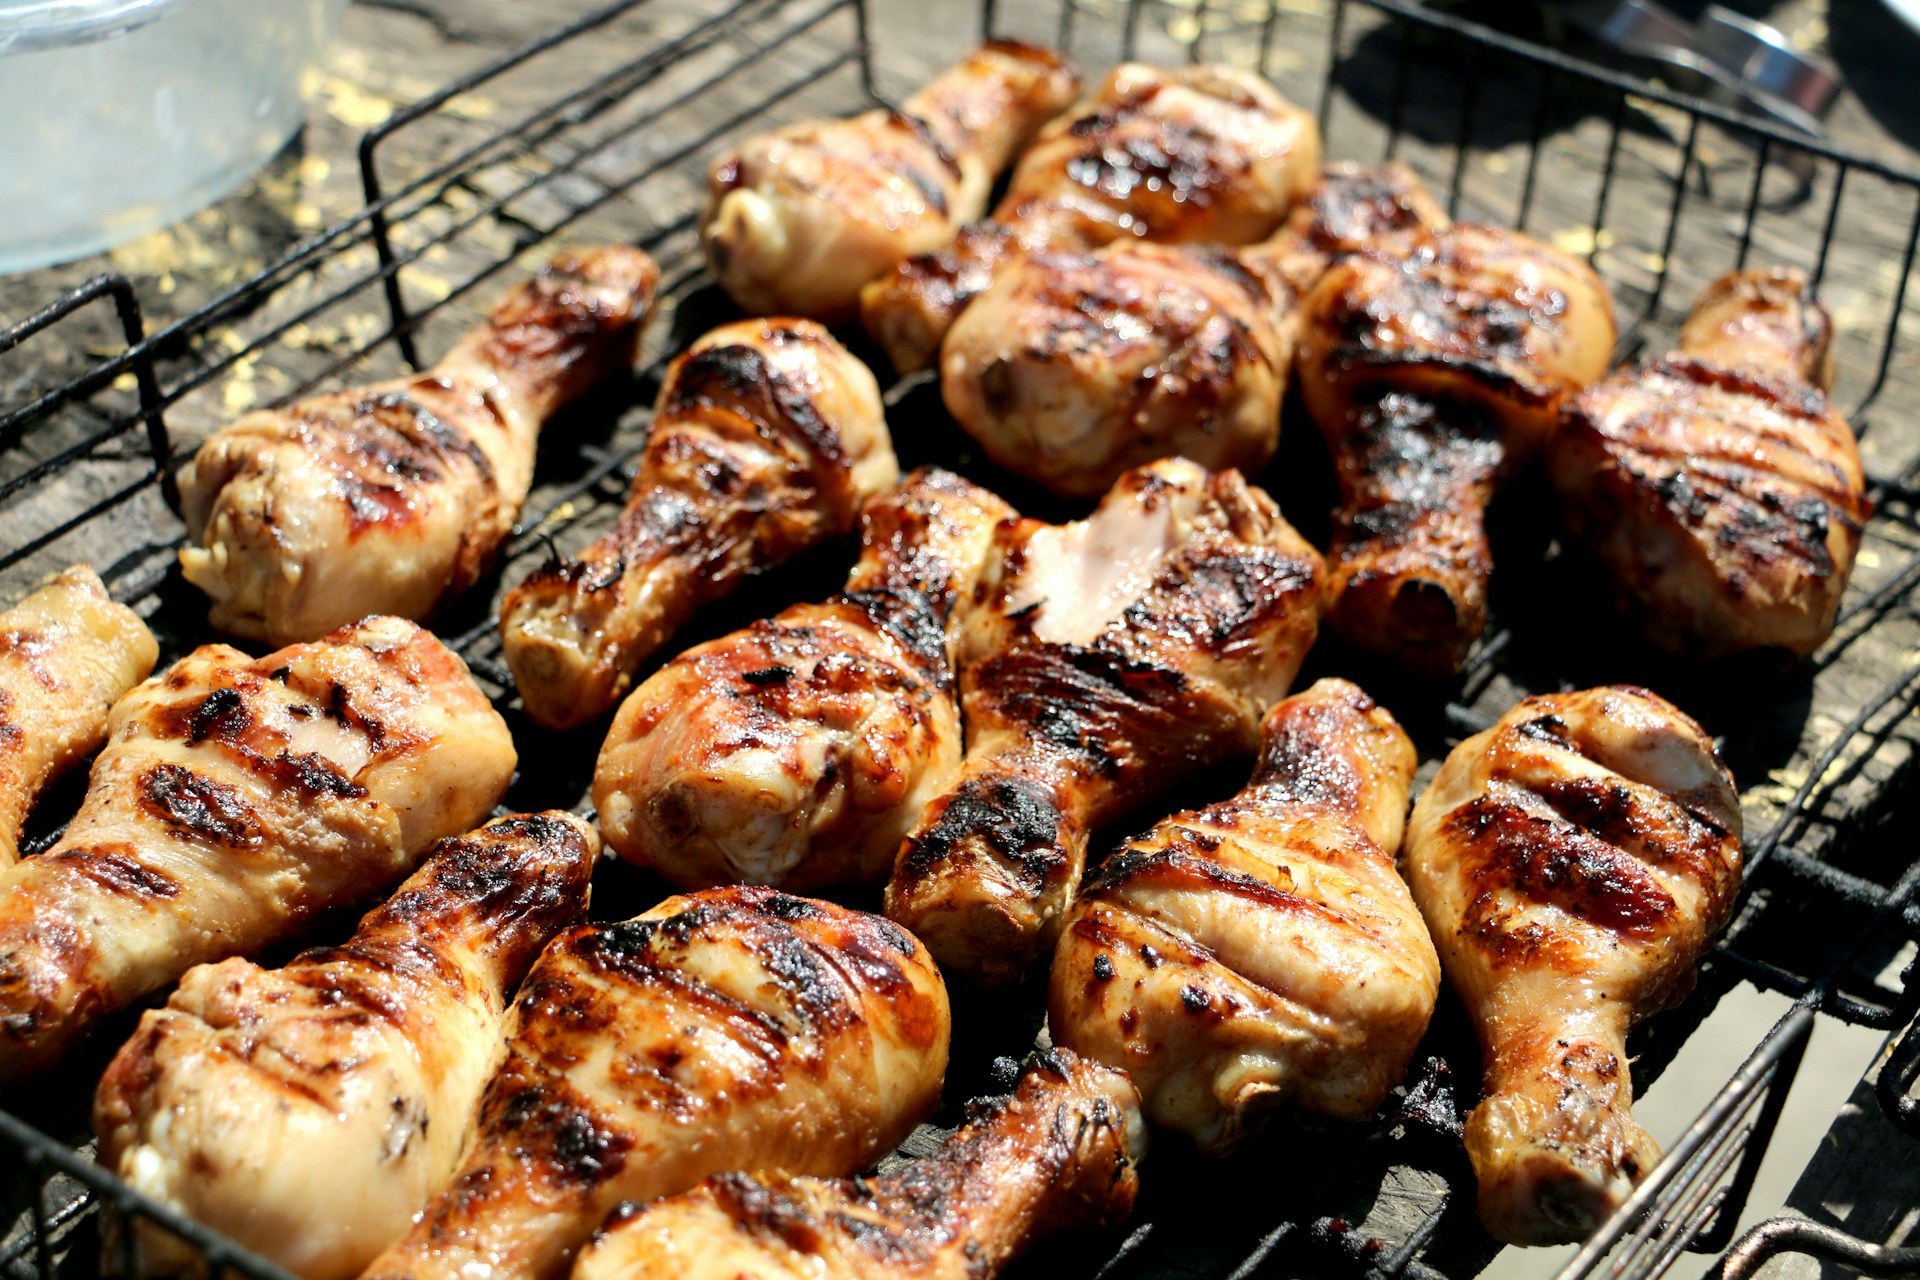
x: 1661, y: 191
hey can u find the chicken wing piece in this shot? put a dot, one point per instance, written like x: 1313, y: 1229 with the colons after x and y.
x: 1112, y: 659
x: 1765, y: 320
x: 67, y: 654
x: 235, y: 800
x: 798, y: 219
x: 1075, y: 367
x: 1433, y: 376
x: 309, y: 1112
x: 736, y: 1028
x: 767, y: 437
x: 1350, y: 208
x: 395, y: 498
x: 1263, y: 951
x: 1718, y: 485
x: 1573, y: 863
x: 1057, y: 1153
x: 1198, y: 155
x: 798, y: 751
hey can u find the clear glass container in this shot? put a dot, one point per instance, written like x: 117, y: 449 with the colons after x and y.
x: 127, y: 115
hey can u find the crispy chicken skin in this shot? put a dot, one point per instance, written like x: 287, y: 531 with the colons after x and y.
x: 1717, y: 484
x: 309, y: 1112
x: 67, y: 654
x: 767, y: 437
x: 235, y: 800
x: 1262, y: 951
x: 1197, y: 155
x: 1573, y: 863
x: 735, y: 1028
x: 1112, y: 659
x: 1075, y: 367
x: 1350, y: 208
x: 799, y: 218
x: 798, y: 751
x: 395, y: 498
x: 1057, y: 1153
x: 1434, y: 375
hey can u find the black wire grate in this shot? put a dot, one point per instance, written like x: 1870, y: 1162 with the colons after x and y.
x: 1662, y: 192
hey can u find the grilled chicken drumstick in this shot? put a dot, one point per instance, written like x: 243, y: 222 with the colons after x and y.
x: 236, y: 799
x: 395, y: 498
x: 1074, y: 367
x: 798, y: 751
x: 1263, y: 951
x: 1433, y: 375
x: 767, y: 437
x: 1573, y: 863
x: 1717, y: 484
x: 1198, y: 155
x: 67, y: 654
x: 1111, y: 659
x: 365, y: 1060
x: 736, y: 1028
x: 798, y: 219
x: 1350, y: 208
x: 1056, y: 1153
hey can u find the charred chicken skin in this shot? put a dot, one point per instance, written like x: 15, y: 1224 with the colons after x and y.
x: 1199, y: 155
x: 1263, y: 951
x: 1111, y: 659
x: 395, y: 498
x: 767, y: 437
x: 1433, y: 376
x: 1055, y: 1154
x: 798, y: 751
x: 1075, y: 367
x: 1573, y: 862
x: 235, y: 800
x: 736, y: 1028
x: 1717, y: 484
x: 365, y: 1060
x: 1350, y: 209
x: 798, y: 219
x: 67, y: 654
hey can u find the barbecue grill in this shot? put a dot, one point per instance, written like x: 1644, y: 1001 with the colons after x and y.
x: 1661, y: 191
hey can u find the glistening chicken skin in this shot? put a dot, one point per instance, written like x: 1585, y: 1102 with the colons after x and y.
x: 1262, y: 952
x: 67, y: 654
x: 364, y: 1061
x: 767, y: 437
x: 1056, y: 1153
x: 396, y: 498
x: 236, y: 799
x: 1574, y: 862
x: 797, y: 220
x: 798, y: 751
x: 735, y: 1028
x: 1111, y: 659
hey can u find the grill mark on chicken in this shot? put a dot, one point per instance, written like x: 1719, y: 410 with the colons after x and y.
x: 117, y: 870
x: 200, y: 808
x: 1017, y: 818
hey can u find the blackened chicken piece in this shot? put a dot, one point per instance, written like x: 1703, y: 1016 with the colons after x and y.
x: 1434, y: 376
x: 1262, y: 952
x: 735, y: 1028
x: 1717, y: 484
x: 396, y: 498
x: 1573, y: 862
x: 1350, y: 209
x: 1198, y: 155
x: 67, y: 654
x: 798, y: 751
x: 308, y: 1112
x: 1111, y: 660
x: 1076, y: 367
x: 798, y: 219
x: 767, y: 437
x: 1055, y: 1154
x: 236, y: 800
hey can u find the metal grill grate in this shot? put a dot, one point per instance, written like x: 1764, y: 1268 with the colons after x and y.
x: 1662, y: 192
